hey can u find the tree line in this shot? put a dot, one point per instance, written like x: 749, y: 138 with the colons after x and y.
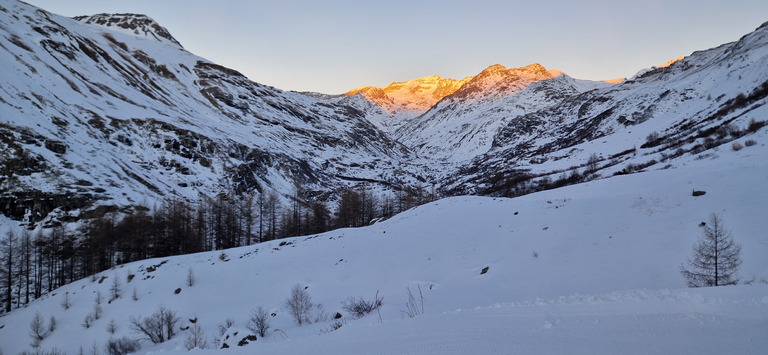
x: 35, y: 263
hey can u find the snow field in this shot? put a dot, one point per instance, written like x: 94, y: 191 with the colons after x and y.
x: 604, y: 277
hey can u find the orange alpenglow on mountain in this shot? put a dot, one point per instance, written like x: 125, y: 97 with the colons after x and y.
x: 422, y: 93
x: 415, y: 95
x: 670, y: 62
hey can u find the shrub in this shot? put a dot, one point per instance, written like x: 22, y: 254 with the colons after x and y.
x: 65, y: 301
x: 358, y: 307
x: 651, y: 140
x: 195, y: 337
x: 334, y: 326
x: 115, y: 289
x: 259, y: 322
x: 122, y: 346
x: 299, y: 303
x: 190, y: 277
x: 754, y: 126
x: 158, y: 327
x: 223, y: 327
x: 88, y: 321
x: 736, y: 146
x: 37, y: 329
x: 112, y: 326
x: 750, y: 142
x: 414, y: 307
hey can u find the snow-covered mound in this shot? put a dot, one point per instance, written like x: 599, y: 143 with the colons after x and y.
x: 589, y: 268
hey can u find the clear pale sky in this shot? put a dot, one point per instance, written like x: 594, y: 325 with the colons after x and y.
x: 333, y: 46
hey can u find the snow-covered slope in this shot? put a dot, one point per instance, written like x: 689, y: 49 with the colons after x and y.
x: 111, y: 110
x: 463, y: 125
x: 706, y: 100
x: 590, y: 268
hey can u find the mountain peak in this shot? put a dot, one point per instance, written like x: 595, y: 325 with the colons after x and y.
x: 413, y: 95
x: 135, y: 24
x: 499, y: 80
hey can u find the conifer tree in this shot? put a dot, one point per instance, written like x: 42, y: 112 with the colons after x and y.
x: 715, y: 257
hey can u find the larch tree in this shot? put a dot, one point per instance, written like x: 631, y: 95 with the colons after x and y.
x: 715, y: 258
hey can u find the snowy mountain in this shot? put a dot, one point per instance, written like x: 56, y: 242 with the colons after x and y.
x: 463, y: 124
x: 93, y: 117
x: 691, y: 107
x: 413, y: 95
x: 589, y: 268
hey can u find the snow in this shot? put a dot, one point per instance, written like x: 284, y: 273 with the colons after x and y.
x: 590, y: 268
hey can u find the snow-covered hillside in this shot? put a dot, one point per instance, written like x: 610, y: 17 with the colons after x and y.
x: 462, y: 126
x: 590, y: 268
x: 98, y: 116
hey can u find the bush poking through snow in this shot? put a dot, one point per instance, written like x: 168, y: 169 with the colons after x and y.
x: 190, y: 278
x: 37, y: 329
x: 358, y: 307
x: 414, y: 307
x: 750, y: 142
x: 65, y: 301
x: 122, y: 346
x: 88, y: 321
x: 195, y: 337
x: 334, y: 326
x: 259, y: 321
x: 158, y: 327
x: 299, y: 303
x: 115, y: 289
x: 112, y: 326
x: 223, y: 327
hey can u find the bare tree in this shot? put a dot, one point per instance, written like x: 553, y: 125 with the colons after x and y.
x: 158, y: 327
x: 8, y: 255
x: 259, y: 322
x: 112, y: 326
x: 190, y: 277
x: 715, y: 257
x: 37, y: 329
x: 65, y: 301
x: 115, y: 289
x: 195, y: 337
x: 299, y: 304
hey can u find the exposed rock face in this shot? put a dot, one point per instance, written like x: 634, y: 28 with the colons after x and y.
x: 137, y: 24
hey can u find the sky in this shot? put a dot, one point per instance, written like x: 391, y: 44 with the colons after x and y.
x: 334, y: 46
